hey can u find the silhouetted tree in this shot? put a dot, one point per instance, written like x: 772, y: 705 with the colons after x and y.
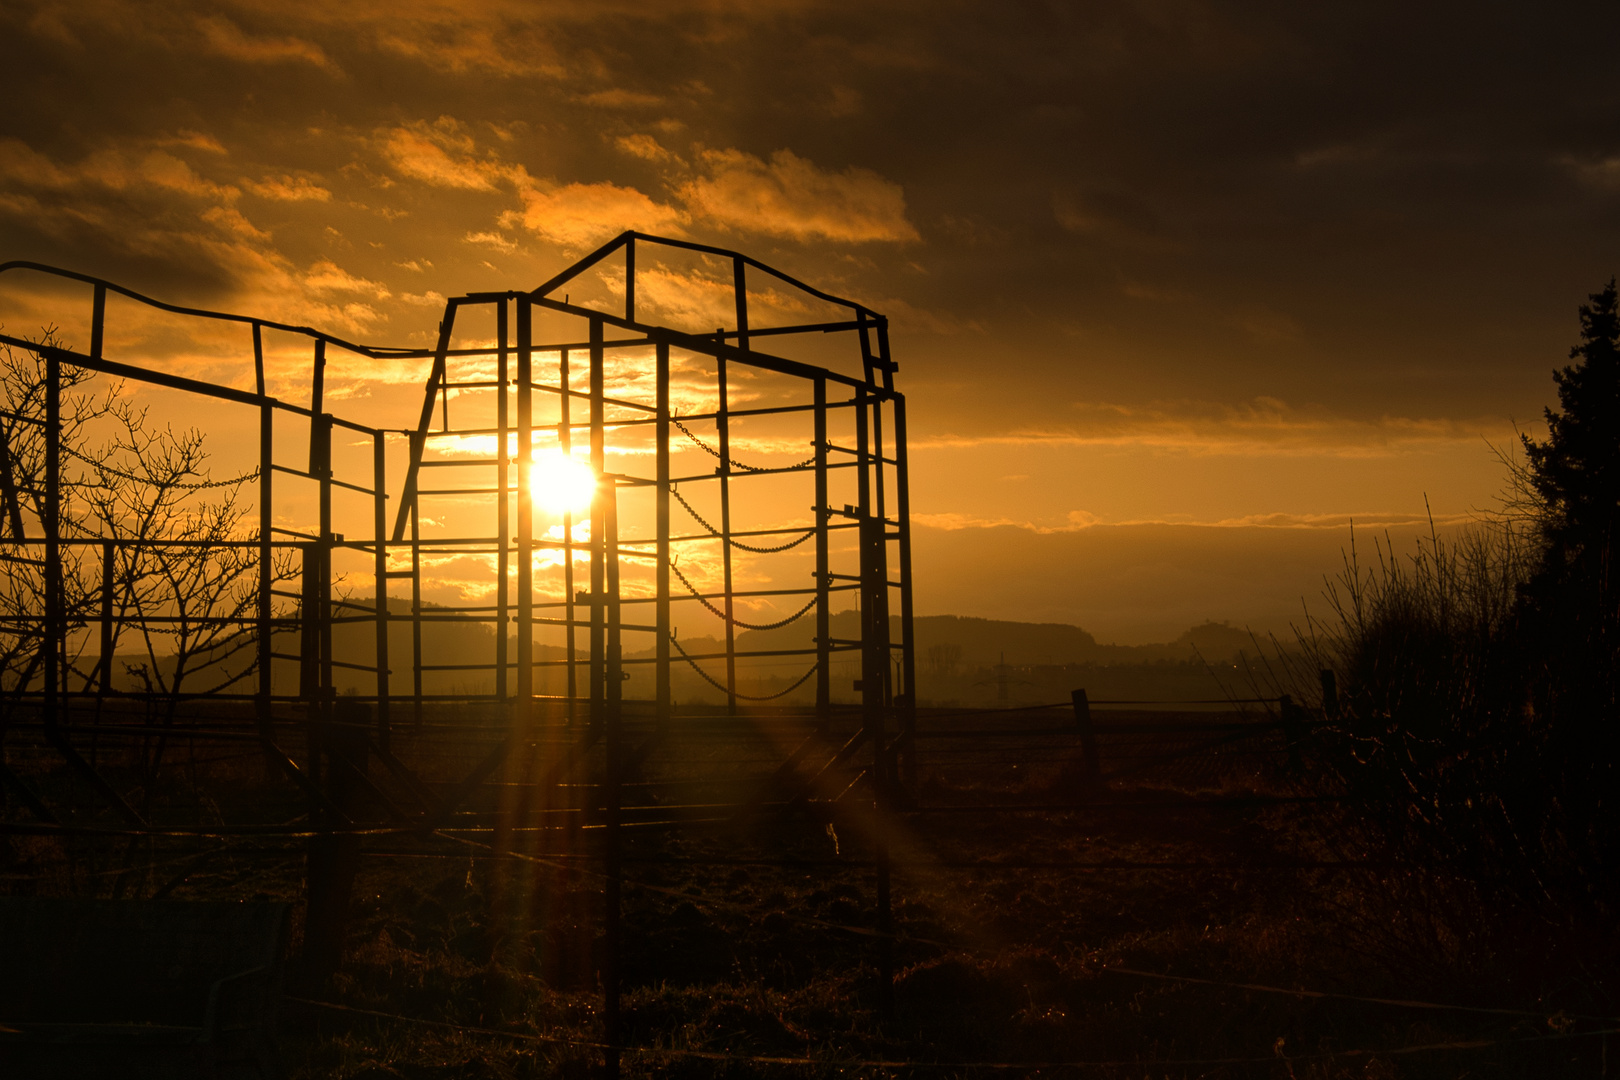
x: 182, y: 594
x: 1570, y: 628
x: 1575, y: 474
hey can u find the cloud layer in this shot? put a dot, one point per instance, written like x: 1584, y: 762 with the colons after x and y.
x: 1217, y: 235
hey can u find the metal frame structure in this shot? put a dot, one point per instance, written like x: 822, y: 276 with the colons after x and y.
x: 878, y: 516
x: 519, y: 393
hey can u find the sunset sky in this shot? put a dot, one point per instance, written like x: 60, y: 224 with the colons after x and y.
x: 1178, y: 289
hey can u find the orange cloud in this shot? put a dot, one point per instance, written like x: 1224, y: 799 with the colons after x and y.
x: 577, y: 215
x: 231, y: 219
x: 1081, y: 520
x: 194, y: 140
x: 573, y: 215
x: 327, y: 276
x: 286, y: 188
x: 618, y: 98
x: 224, y: 38
x: 643, y: 146
x: 692, y: 301
x: 20, y: 163
x: 441, y: 154
x: 790, y: 196
x: 165, y: 170
x: 459, y: 38
x: 491, y: 239
x: 1264, y: 426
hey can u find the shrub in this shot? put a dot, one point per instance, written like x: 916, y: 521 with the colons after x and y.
x: 1479, y: 731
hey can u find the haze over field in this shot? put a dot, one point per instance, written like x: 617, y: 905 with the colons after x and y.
x: 1178, y: 289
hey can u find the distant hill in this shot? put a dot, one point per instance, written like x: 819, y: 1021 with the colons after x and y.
x: 963, y: 641
x: 960, y: 659
x: 974, y: 661
x: 1216, y: 641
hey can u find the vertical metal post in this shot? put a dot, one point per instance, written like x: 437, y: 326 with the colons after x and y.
x: 874, y: 618
x: 739, y: 291
x: 598, y: 528
x: 630, y: 280
x: 863, y: 478
x: 317, y: 394
x: 880, y: 511
x: 908, y: 639
x: 863, y: 326
x: 52, y: 645
x: 444, y: 405
x: 608, y: 497
x: 258, y: 358
x: 267, y: 416
x: 874, y: 671
x: 503, y: 527
x: 886, y: 365
x: 662, y: 693
x: 565, y: 445
x: 309, y: 648
x: 323, y: 455
x: 823, y: 514
x: 723, y: 426
x: 525, y: 507
x: 379, y: 532
x: 417, y: 441
x: 874, y: 677
x: 513, y: 800
x: 98, y: 320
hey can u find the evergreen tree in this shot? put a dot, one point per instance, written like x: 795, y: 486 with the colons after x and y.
x: 1569, y: 630
x: 1575, y: 474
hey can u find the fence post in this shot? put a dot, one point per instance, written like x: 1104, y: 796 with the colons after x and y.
x: 333, y: 857
x: 1293, y: 728
x: 1330, y: 694
x: 1090, y: 766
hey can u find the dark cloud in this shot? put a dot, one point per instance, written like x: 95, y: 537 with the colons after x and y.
x: 1257, y: 157
x: 1371, y: 209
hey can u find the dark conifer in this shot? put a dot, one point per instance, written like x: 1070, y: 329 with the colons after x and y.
x: 1570, y: 625
x: 1576, y: 472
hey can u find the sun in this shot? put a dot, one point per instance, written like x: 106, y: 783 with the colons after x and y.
x: 562, y: 483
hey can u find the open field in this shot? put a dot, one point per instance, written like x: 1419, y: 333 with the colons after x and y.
x: 749, y: 944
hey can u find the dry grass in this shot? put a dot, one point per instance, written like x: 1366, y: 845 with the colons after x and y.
x: 730, y: 952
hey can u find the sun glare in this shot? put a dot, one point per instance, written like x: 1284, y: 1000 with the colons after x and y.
x: 562, y: 483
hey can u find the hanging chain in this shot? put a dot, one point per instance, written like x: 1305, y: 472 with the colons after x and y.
x: 103, y: 466
x: 712, y: 452
x: 795, y: 617
x: 738, y: 543
x: 746, y: 697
